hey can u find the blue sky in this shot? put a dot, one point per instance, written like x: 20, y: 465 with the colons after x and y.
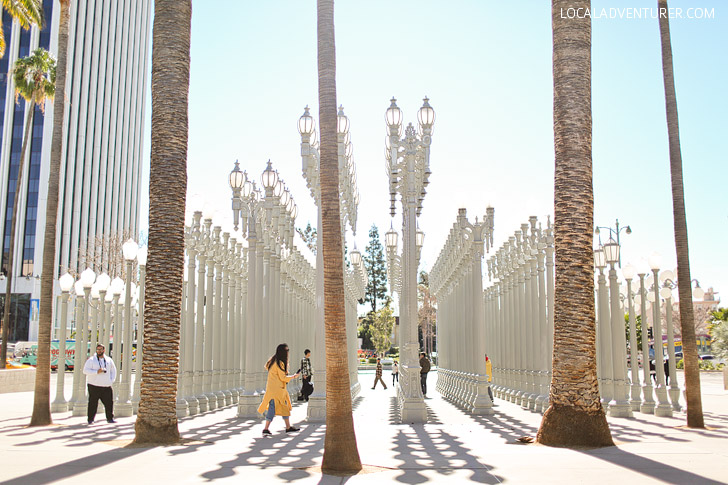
x: 486, y: 67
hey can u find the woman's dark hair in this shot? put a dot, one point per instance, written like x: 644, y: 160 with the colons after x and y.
x: 280, y: 358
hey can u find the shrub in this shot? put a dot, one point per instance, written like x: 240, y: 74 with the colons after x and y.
x: 680, y: 364
x: 372, y: 360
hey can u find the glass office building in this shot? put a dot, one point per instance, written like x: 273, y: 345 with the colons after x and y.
x: 108, y: 66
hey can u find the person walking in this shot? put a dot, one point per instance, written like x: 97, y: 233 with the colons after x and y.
x: 489, y: 375
x: 378, y: 375
x: 424, y: 369
x: 101, y: 373
x: 395, y: 372
x: 276, y: 401
x: 306, y: 374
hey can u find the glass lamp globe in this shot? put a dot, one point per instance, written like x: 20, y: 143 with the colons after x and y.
x: 355, y: 257
x: 88, y: 277
x: 390, y: 239
x: 600, y: 261
x: 698, y: 293
x: 66, y: 282
x: 665, y: 292
x: 269, y: 177
x: 236, y: 178
x: 95, y: 291
x: 651, y: 296
x: 142, y: 256
x: 394, y: 114
x: 103, y: 281
x: 628, y: 271
x: 611, y: 251
x: 426, y: 115
x: 130, y: 249
x: 117, y: 286
x: 655, y: 260
x: 78, y: 286
x: 305, y: 123
x: 638, y: 300
x: 342, y: 123
x: 666, y: 275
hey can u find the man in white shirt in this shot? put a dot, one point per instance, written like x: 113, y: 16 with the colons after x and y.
x: 101, y: 373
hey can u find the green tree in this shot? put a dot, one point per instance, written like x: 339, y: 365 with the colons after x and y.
x: 363, y: 331
x: 687, y: 318
x: 41, y: 398
x: 719, y: 336
x: 341, y: 454
x: 35, y: 81
x: 426, y: 313
x: 309, y: 236
x: 157, y: 417
x: 26, y: 12
x: 375, y: 265
x: 382, y: 327
x: 638, y: 330
x: 575, y: 416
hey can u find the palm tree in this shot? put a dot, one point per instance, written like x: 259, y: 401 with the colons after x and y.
x: 42, y: 397
x: 340, y: 449
x: 157, y: 417
x: 26, y: 12
x: 35, y: 78
x: 687, y: 318
x: 575, y: 416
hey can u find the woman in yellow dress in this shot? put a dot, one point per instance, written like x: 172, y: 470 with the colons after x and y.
x: 277, y: 401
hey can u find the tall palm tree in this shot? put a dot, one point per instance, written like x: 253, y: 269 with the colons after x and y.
x: 157, y: 417
x: 575, y: 416
x: 687, y: 318
x: 34, y: 77
x: 340, y: 450
x: 26, y: 12
x: 42, y: 396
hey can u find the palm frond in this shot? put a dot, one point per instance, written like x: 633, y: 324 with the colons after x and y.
x: 35, y: 77
x: 2, y: 42
x: 26, y: 12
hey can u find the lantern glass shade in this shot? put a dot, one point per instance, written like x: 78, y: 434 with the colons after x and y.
x: 294, y: 211
x: 109, y: 297
x: 651, y: 297
x: 103, y: 281
x: 648, y: 280
x: 117, y: 286
x: 278, y: 188
x: 342, y: 123
x: 666, y: 275
x: 130, y: 249
x: 611, y: 251
x: 655, y: 260
x: 66, y: 282
x: 247, y: 188
x: 628, y: 271
x: 270, y: 177
x: 95, y: 291
x: 426, y: 115
x: 78, y: 286
x: 390, y: 239
x: 698, y: 293
x: 305, y: 123
x: 665, y: 292
x: 394, y: 114
x: 88, y: 277
x: 355, y: 258
x: 599, y: 258
x: 419, y: 238
x: 142, y: 256
x: 638, y: 300
x: 285, y: 197
x: 237, y: 178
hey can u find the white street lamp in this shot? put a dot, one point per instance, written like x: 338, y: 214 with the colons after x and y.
x: 59, y: 403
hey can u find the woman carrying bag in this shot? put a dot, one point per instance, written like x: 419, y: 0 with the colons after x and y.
x: 277, y: 401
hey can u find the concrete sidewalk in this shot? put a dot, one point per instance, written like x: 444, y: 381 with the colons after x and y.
x: 451, y: 448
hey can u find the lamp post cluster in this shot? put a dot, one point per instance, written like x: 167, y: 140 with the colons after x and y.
x: 519, y: 315
x: 654, y: 290
x: 277, y: 301
x: 355, y: 277
x: 456, y: 280
x: 408, y: 169
x: 100, y: 318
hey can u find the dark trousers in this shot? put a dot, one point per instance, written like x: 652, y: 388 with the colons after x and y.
x: 423, y: 382
x: 395, y: 378
x: 490, y: 394
x: 104, y: 393
x: 306, y: 388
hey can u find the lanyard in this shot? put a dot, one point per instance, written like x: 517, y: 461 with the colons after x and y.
x: 99, y: 361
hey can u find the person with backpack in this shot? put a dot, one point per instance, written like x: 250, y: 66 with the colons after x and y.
x: 424, y: 369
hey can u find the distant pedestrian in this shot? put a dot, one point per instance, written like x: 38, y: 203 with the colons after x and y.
x: 378, y: 375
x: 276, y: 400
x: 424, y: 369
x: 306, y: 375
x: 667, y: 372
x: 653, y: 371
x: 101, y: 373
x: 395, y: 372
x: 489, y: 374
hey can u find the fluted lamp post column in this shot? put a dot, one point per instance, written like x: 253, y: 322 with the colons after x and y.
x: 60, y: 404
x: 667, y: 278
x: 88, y: 277
x: 619, y: 406
x: 629, y: 272
x: 663, y: 407
x: 142, y: 261
x: 124, y: 406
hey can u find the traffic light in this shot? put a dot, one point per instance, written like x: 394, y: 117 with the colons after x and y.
x: 649, y: 333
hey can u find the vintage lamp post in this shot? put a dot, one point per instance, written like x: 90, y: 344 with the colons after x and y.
x: 60, y: 404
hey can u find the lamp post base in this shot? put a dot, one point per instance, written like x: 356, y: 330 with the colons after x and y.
x: 674, y: 393
x: 248, y: 406
x: 316, y: 412
x: 123, y: 409
x: 183, y: 409
x: 59, y: 406
x: 663, y: 410
x: 80, y: 408
x: 620, y: 409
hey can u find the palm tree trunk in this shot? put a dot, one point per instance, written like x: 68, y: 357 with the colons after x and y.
x: 684, y: 281
x: 11, y: 248
x: 575, y: 416
x: 340, y: 449
x: 157, y: 417
x: 41, y: 399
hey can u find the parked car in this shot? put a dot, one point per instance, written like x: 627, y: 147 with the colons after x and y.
x: 706, y: 357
